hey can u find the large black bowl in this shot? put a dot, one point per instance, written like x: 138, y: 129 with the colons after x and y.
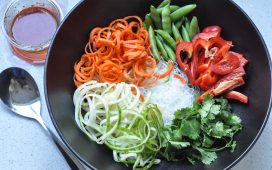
x: 69, y: 43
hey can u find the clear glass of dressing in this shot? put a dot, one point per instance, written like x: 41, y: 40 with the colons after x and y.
x: 29, y: 26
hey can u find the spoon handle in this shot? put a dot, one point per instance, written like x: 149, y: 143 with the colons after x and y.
x: 71, y: 159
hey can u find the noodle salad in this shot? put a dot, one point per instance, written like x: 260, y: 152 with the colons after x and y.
x: 159, y: 89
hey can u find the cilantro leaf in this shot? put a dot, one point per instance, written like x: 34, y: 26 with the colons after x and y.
x: 203, y: 113
x: 217, y: 130
x: 179, y: 145
x: 233, y: 120
x: 206, y: 156
x: 207, y: 105
x: 207, y: 141
x: 190, y: 128
x: 215, y: 109
x: 191, y: 160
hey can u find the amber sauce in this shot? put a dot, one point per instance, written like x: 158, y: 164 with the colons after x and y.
x: 33, y: 26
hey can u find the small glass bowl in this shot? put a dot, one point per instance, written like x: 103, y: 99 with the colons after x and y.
x: 35, y: 53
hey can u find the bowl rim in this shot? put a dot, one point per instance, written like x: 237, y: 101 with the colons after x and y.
x: 91, y: 166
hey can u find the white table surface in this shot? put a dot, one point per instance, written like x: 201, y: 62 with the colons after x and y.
x: 24, y: 145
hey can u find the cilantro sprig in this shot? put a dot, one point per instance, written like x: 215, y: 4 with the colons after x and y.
x: 197, y: 133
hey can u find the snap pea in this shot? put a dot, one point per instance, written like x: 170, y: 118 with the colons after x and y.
x: 164, y: 3
x: 176, y: 33
x: 161, y: 47
x: 178, y: 14
x: 185, y: 34
x: 166, y: 20
x: 152, y: 40
x: 178, y: 24
x: 170, y: 52
x: 172, y: 9
x: 155, y: 17
x: 148, y: 21
x: 187, y: 24
x: 167, y: 38
x: 194, y: 28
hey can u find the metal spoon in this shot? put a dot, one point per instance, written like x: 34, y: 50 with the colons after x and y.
x: 19, y: 92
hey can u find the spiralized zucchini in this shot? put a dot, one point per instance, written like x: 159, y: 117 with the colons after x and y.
x: 115, y: 115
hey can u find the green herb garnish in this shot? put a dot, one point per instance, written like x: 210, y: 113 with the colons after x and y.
x: 197, y: 133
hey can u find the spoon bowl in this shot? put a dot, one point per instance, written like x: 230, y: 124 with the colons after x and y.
x: 19, y: 93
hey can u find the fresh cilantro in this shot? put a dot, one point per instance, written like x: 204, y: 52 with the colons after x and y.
x: 233, y: 146
x: 190, y: 128
x: 215, y: 109
x: 179, y: 145
x: 200, y: 131
x: 206, y: 156
x: 191, y: 160
x: 207, y: 141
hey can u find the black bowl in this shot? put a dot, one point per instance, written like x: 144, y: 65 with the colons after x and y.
x: 68, y: 45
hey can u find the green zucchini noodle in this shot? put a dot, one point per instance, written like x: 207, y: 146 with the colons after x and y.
x: 115, y: 115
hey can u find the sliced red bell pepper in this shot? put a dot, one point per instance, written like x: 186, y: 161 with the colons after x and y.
x: 202, y: 68
x: 206, y: 80
x: 237, y: 96
x: 215, y: 29
x: 199, y: 46
x: 208, y: 33
x: 186, y: 47
x: 242, y: 60
x: 204, y: 36
x: 211, y: 65
x: 223, y: 87
x: 222, y: 45
x: 226, y: 65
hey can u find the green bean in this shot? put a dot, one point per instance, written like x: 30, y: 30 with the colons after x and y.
x: 176, y: 33
x: 185, y: 34
x: 170, y: 52
x: 164, y: 3
x: 167, y: 38
x: 156, y: 17
x: 194, y: 28
x: 148, y: 21
x: 172, y: 8
x: 166, y: 20
x: 178, y: 14
x: 161, y: 47
x: 152, y: 39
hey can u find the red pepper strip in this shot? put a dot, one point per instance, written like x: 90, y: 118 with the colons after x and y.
x: 222, y: 86
x: 227, y: 85
x: 241, y: 58
x: 209, y: 79
x: 237, y: 96
x: 199, y: 45
x: 185, y: 47
x: 208, y: 33
x: 202, y: 68
x: 206, y: 80
x: 215, y: 29
x: 223, y: 46
x: 202, y: 58
x: 225, y: 66
x: 204, y: 36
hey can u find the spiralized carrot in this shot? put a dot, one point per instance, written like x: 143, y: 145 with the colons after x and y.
x: 182, y: 80
x: 118, y: 53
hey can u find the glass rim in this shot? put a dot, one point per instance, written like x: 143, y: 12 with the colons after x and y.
x: 13, y: 42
